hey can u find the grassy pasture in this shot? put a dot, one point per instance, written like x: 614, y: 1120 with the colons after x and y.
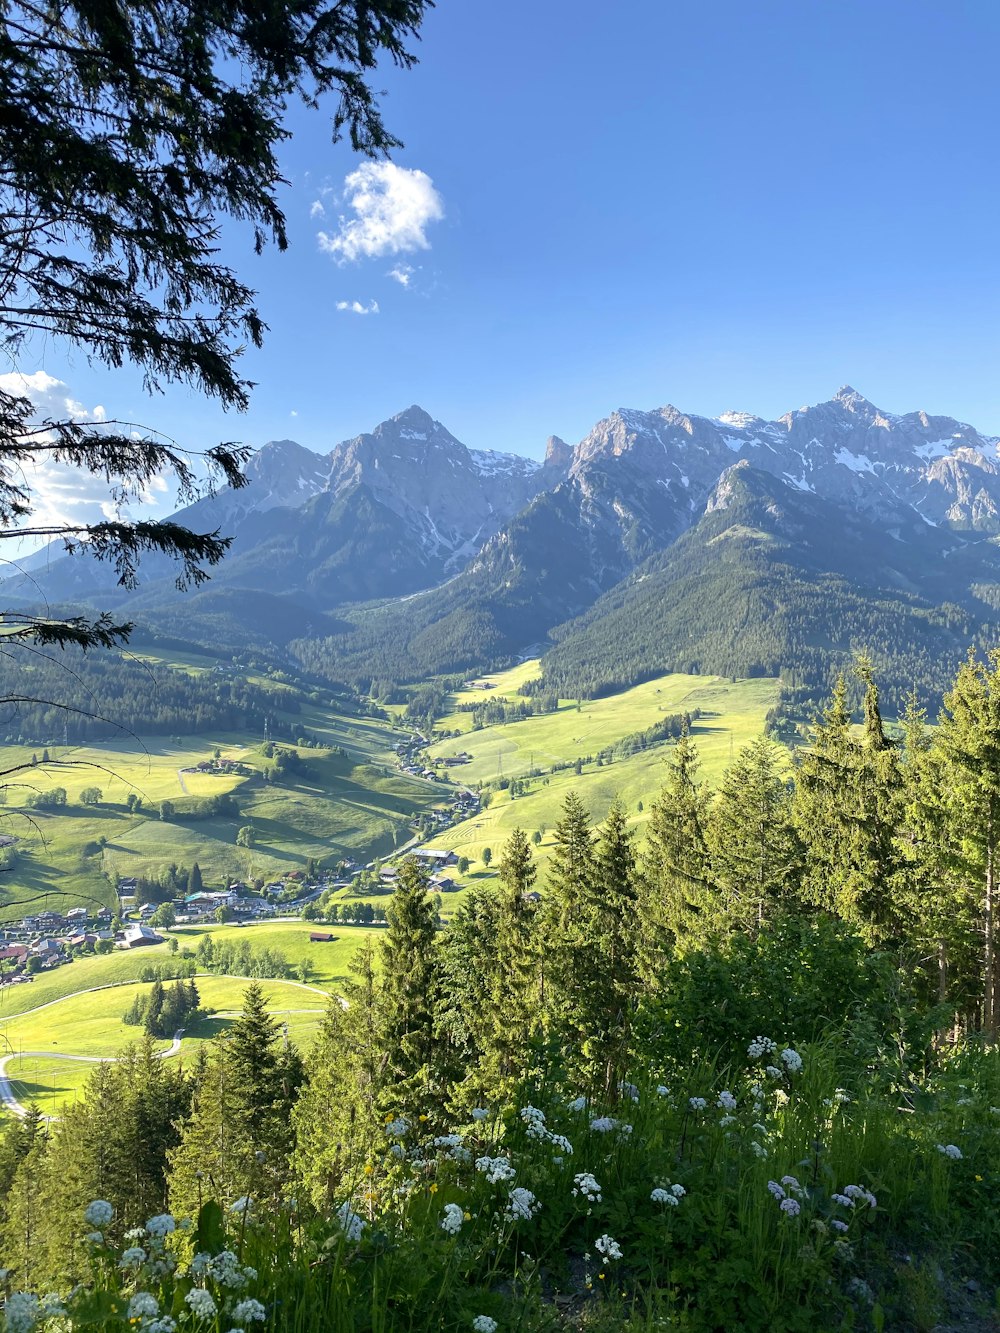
x: 733, y: 714
x: 353, y: 803
x: 328, y: 961
x: 89, y: 1024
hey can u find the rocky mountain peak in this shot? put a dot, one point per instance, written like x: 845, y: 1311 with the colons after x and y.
x: 558, y: 454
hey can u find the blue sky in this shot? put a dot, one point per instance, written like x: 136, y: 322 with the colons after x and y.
x: 719, y: 205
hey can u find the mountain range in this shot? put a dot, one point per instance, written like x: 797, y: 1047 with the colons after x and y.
x: 662, y: 539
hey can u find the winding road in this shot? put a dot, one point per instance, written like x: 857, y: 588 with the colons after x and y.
x: 10, y: 1102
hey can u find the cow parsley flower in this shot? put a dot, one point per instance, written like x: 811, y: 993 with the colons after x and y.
x: 791, y: 1060
x: 453, y: 1219
x: 859, y: 1192
x: 534, y: 1120
x: 249, y: 1312
x: 585, y: 1184
x: 629, y: 1090
x: 726, y: 1101
x: 678, y: 1191
x: 227, y: 1271
x: 480, y: 1113
x: 95, y: 1237
x: 772, y: 1071
x: 577, y: 1104
x: 495, y: 1169
x: 484, y: 1324
x: 758, y: 1149
x: 448, y: 1141
x: 143, y: 1306
x: 791, y: 1207
x: 522, y: 1205
x: 98, y: 1213
x: 949, y: 1150
x: 398, y: 1127
x: 132, y: 1257
x: 775, y: 1190
x: 761, y: 1046
x: 350, y: 1223
x: 844, y: 1200
x: 161, y: 1225
x: 608, y: 1247
x: 664, y: 1196
x: 697, y: 1103
x: 793, y: 1186
x: 201, y: 1303
x: 21, y: 1310
x: 838, y: 1225
x: 662, y: 1090
x: 602, y: 1124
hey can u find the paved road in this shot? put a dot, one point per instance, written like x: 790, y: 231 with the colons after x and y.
x: 11, y: 1103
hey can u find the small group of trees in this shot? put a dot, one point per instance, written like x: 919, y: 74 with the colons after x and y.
x: 164, y: 1009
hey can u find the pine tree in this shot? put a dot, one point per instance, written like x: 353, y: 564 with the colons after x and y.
x: 339, y: 1117
x: 681, y: 900
x: 845, y: 811
x: 969, y: 741
x: 409, y: 965
x: 754, y: 850
x: 512, y: 1001
x: 195, y: 884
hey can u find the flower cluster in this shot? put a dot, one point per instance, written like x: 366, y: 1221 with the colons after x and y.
x: 522, y: 1205
x: 584, y: 1184
x: 484, y: 1324
x: 496, y: 1169
x: 453, y: 1219
x: 534, y: 1119
x: 671, y: 1196
x: 950, y: 1150
x: 608, y: 1247
x: 604, y: 1124
x: 761, y: 1046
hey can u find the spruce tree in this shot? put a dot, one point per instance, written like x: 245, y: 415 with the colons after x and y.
x: 681, y: 901
x: 512, y: 1002
x: 754, y: 849
x: 969, y: 741
x: 339, y: 1116
x: 409, y: 966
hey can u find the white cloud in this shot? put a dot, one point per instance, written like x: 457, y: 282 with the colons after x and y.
x: 50, y: 397
x: 403, y: 274
x: 316, y: 209
x: 60, y: 493
x: 293, y: 413
x: 393, y: 207
x: 356, y: 308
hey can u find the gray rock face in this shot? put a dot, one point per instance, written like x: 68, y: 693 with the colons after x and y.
x: 846, y: 450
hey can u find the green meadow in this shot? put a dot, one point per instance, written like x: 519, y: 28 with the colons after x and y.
x: 351, y: 801
x: 732, y: 714
x: 90, y: 1024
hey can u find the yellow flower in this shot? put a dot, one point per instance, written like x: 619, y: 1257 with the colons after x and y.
x: 434, y: 1188
x: 368, y: 1168
x: 422, y: 1118
x: 601, y: 1276
x: 468, y: 1216
x: 979, y: 1177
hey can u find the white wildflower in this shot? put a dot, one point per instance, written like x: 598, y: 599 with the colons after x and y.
x: 791, y: 1060
x: 143, y: 1306
x: 664, y: 1196
x: 95, y: 1237
x: 949, y: 1150
x: 792, y: 1185
x: 602, y: 1124
x: 678, y: 1191
x: 772, y: 1071
x: 161, y: 1225
x: 726, y: 1120
x: 522, y: 1204
x: 398, y: 1127
x: 697, y: 1103
x: 844, y: 1200
x: 662, y: 1090
x: 249, y: 1312
x: 758, y: 1149
x: 577, y: 1104
x: 448, y: 1141
x: 21, y: 1309
x: 775, y: 1190
x: 534, y: 1120
x: 726, y: 1101
x: 201, y: 1303
x: 350, y: 1223
x: 495, y: 1169
x: 241, y: 1205
x: 608, y: 1247
x: 562, y: 1142
x: 761, y: 1046
x: 629, y: 1090
x: 132, y: 1257
x: 841, y: 1097
x: 838, y: 1225
x: 484, y: 1324
x: 453, y: 1219
x: 791, y: 1207
x: 480, y: 1113
x: 98, y: 1213
x: 585, y: 1184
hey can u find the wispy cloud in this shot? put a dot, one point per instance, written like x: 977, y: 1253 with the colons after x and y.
x: 316, y: 209
x: 403, y: 274
x: 392, y: 207
x: 356, y: 308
